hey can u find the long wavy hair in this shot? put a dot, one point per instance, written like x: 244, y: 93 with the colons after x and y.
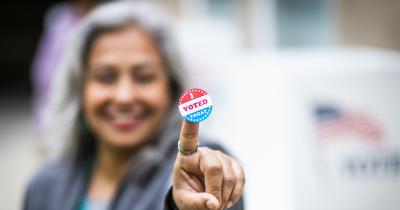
x: 68, y: 134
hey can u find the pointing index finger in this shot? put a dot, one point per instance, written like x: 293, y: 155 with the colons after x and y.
x: 189, y: 137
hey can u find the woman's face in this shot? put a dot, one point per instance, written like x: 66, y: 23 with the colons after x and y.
x: 126, y: 91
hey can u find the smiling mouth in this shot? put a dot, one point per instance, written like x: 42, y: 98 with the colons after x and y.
x: 126, y: 121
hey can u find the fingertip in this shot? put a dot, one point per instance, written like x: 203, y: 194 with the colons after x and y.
x: 229, y: 205
x: 211, y: 201
x: 212, y: 204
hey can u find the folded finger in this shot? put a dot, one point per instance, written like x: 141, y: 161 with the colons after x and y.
x: 229, y: 177
x: 212, y: 168
x: 239, y: 184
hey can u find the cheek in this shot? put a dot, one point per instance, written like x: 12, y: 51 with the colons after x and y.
x: 94, y: 97
x: 159, y: 95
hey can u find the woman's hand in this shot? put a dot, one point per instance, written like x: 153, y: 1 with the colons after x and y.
x: 206, y: 179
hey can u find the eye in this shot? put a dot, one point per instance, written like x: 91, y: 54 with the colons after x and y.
x: 145, y: 73
x: 105, y: 75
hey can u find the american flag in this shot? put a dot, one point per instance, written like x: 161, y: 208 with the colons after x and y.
x: 333, y: 122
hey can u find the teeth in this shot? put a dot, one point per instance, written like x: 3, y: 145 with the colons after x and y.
x: 123, y: 120
x: 120, y: 115
x: 125, y: 116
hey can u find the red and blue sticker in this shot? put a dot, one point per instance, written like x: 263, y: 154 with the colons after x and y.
x: 195, y: 105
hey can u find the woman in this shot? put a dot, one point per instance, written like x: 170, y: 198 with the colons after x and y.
x: 115, y: 100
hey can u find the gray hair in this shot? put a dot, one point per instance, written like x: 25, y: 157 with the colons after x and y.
x: 62, y: 116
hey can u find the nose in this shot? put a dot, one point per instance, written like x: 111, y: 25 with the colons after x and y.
x: 124, y: 92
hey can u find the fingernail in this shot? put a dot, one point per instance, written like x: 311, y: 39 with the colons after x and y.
x: 229, y: 205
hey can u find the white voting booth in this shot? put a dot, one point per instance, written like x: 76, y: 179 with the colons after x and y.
x: 346, y: 132
x: 314, y: 129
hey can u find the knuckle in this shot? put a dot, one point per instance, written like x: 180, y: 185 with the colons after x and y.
x: 207, y: 150
x: 215, y: 189
x: 229, y: 180
x: 215, y: 169
x: 219, y: 152
x: 200, y: 150
x: 241, y: 180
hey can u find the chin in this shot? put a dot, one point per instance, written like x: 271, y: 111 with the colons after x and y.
x: 127, y: 141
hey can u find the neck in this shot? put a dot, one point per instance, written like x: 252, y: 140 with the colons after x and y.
x: 112, y: 163
x: 110, y: 167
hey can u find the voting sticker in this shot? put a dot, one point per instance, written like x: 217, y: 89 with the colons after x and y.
x: 195, y: 105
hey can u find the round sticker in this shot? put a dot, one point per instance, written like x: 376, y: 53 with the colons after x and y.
x: 195, y: 105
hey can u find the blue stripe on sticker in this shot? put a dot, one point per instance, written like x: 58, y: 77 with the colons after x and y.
x: 199, y: 115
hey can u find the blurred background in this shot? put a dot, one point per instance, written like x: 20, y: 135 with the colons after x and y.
x: 306, y: 94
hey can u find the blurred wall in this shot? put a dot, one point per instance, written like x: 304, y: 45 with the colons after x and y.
x: 369, y: 22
